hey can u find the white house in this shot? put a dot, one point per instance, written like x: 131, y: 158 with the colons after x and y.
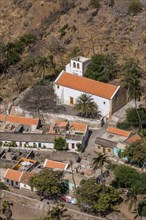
x: 78, y: 65
x: 68, y: 87
x: 18, y: 179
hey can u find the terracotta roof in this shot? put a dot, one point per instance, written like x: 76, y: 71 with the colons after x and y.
x: 62, y: 123
x: 22, y: 120
x: 118, y: 131
x: 2, y: 117
x: 55, y: 164
x: 19, y: 119
x: 79, y: 127
x: 25, y: 177
x: 13, y: 175
x: 86, y: 85
x: 133, y: 139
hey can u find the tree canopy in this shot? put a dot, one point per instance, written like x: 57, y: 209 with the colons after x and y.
x: 136, y: 153
x: 131, y: 80
x: 60, y: 144
x: 142, y: 208
x: 96, y: 198
x: 127, y: 177
x: 132, y: 119
x: 49, y: 183
x: 102, y: 68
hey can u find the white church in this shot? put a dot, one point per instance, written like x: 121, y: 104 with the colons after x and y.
x: 71, y: 83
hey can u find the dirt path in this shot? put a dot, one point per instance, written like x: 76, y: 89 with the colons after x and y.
x: 124, y: 210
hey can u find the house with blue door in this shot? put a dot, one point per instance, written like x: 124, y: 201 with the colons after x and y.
x: 115, y: 140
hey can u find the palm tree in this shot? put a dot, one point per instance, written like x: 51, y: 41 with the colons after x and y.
x: 131, y: 81
x: 100, y: 161
x: 6, y: 210
x: 45, y: 64
x: 131, y: 198
x: 72, y: 172
x: 57, y: 213
x: 85, y: 106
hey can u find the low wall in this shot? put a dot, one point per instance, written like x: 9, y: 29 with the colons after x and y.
x: 41, y: 206
x: 51, y: 118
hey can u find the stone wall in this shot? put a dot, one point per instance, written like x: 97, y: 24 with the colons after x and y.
x: 51, y: 118
x: 120, y: 99
x: 42, y: 206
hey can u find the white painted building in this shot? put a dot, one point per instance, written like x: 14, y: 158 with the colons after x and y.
x: 68, y: 87
x: 78, y: 65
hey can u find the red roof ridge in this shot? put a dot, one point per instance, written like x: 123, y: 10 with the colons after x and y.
x: 118, y: 131
x: 86, y: 85
x: 19, y: 119
x: 133, y: 138
x: 55, y: 164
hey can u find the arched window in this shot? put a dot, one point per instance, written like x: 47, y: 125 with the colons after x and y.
x: 78, y: 66
x: 74, y: 65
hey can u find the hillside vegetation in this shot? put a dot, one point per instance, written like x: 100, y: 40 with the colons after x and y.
x: 66, y: 28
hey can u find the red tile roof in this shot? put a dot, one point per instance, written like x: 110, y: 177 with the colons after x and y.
x: 79, y: 127
x: 133, y: 139
x: 13, y: 175
x: 62, y: 123
x: 118, y: 131
x: 55, y: 164
x: 86, y: 85
x: 2, y: 117
x: 22, y: 120
x: 19, y: 119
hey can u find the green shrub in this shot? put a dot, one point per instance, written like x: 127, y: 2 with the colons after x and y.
x: 123, y: 125
x: 62, y: 30
x: 60, y: 144
x: 94, y: 3
x: 28, y: 39
x: 134, y: 7
x: 3, y: 186
x: 13, y: 57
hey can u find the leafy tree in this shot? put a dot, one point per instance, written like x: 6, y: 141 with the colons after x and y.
x: 102, y: 68
x: 57, y: 213
x: 39, y: 97
x: 6, y: 209
x: 133, y: 119
x: 3, y: 186
x: 85, y: 106
x: 60, y: 144
x: 131, y: 81
x: 134, y: 7
x: 49, y: 183
x: 125, y: 176
x: 141, y: 211
x: 100, y: 161
x: 95, y: 198
x: 136, y: 153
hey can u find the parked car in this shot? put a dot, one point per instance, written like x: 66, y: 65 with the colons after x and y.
x: 68, y: 199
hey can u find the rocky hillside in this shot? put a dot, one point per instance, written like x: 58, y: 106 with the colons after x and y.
x: 63, y: 26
